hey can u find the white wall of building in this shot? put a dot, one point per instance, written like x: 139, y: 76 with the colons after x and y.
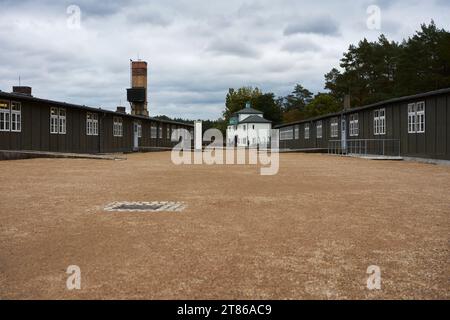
x: 249, y: 134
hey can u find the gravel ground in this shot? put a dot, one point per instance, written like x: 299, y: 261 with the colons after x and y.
x: 309, y: 232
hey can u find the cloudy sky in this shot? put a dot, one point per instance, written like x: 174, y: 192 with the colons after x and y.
x: 196, y: 49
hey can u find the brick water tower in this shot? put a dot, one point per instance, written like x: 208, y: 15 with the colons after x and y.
x: 137, y: 94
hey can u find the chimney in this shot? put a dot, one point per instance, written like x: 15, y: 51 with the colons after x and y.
x: 22, y: 90
x: 137, y: 94
x: 347, y: 102
x: 121, y: 109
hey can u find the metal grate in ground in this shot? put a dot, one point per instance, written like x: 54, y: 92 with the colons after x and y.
x: 154, y: 206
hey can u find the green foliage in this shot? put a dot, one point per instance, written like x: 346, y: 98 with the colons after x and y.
x: 265, y: 102
x: 298, y: 99
x: 216, y: 124
x: 376, y: 71
x: 323, y: 103
x: 319, y: 104
x: 236, y: 99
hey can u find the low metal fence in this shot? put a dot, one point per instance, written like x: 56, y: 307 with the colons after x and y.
x: 365, y: 147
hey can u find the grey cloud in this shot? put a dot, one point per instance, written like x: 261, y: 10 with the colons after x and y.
x: 148, y: 17
x: 318, y: 25
x: 300, y: 45
x: 232, y: 47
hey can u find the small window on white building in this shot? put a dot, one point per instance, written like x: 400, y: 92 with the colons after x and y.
x: 117, y: 127
x: 307, y: 131
x: 4, y: 116
x: 354, y: 125
x: 92, y: 124
x: 379, y: 122
x: 16, y: 117
x: 319, y: 129
x: 334, y: 128
x: 416, y: 117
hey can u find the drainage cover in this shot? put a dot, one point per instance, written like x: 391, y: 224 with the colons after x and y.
x: 154, y: 206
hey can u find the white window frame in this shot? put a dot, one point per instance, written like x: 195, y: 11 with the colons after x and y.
x: 319, y: 131
x: 354, y: 125
x: 286, y: 133
x: 117, y: 127
x: 307, y: 131
x: 296, y: 132
x: 95, y: 124
x: 412, y: 124
x: 62, y: 121
x: 334, y: 128
x: 5, y: 116
x: 153, y: 131
x: 91, y: 124
x: 416, y: 117
x: 379, y: 122
x: 420, y: 115
x: 16, y: 116
x: 139, y: 129
x: 175, y: 129
x: 54, y: 112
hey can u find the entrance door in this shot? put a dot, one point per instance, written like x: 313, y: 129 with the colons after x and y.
x: 343, y: 134
x: 136, y: 136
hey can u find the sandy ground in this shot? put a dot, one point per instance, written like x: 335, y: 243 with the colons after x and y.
x: 309, y: 232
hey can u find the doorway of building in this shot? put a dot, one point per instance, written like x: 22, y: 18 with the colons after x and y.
x: 136, y: 135
x: 343, y: 134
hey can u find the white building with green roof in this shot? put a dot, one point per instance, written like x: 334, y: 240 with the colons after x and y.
x: 248, y: 128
